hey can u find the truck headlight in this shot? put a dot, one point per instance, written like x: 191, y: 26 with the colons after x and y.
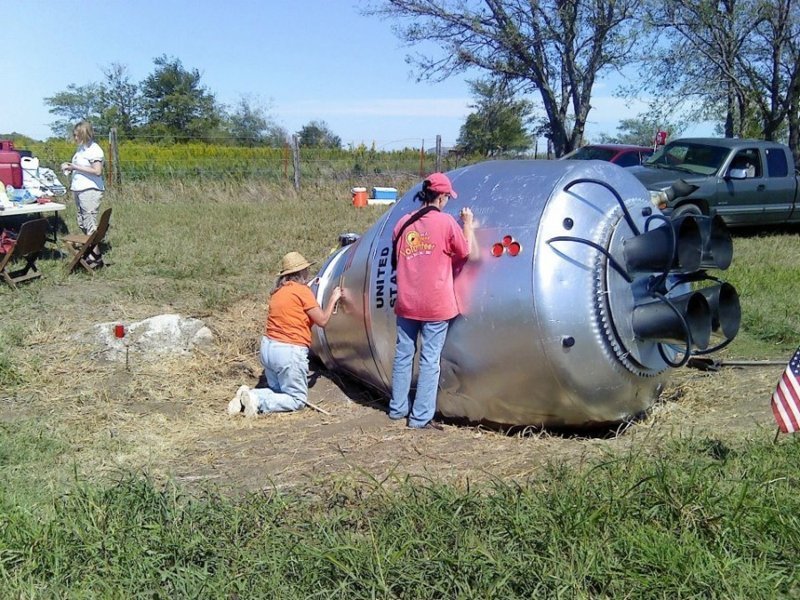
x: 658, y: 199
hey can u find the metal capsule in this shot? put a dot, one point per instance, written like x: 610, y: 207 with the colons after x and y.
x: 562, y: 315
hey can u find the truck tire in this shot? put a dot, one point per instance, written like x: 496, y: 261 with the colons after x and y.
x: 687, y: 209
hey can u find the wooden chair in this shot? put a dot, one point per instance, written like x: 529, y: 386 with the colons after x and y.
x: 80, y: 245
x: 30, y: 243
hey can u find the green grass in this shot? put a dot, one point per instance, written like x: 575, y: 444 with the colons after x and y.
x: 141, y: 161
x: 765, y: 272
x: 700, y: 520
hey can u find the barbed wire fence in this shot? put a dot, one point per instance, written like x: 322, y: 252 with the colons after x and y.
x: 292, y: 163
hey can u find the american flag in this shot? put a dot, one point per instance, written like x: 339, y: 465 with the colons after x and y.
x: 786, y: 399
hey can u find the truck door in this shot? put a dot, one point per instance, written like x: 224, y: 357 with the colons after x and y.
x: 781, y: 187
x: 741, y: 201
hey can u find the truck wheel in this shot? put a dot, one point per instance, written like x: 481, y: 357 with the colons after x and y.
x: 687, y: 209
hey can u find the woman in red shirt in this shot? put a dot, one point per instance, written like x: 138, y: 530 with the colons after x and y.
x: 427, y: 244
x: 293, y: 310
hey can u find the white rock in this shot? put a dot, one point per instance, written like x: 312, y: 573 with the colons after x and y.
x: 153, y: 338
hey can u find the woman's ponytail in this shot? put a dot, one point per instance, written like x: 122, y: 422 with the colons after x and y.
x: 426, y: 195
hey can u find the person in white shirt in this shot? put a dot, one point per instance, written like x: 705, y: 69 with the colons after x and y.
x: 87, y: 185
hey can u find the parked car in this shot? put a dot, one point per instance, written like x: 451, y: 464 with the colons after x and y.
x: 623, y: 155
x: 746, y: 182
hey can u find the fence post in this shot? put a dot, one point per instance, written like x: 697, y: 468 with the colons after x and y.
x: 438, y: 153
x: 296, y: 162
x: 422, y: 160
x: 114, y: 170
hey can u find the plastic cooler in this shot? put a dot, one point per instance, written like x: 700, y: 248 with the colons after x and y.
x: 384, y: 193
x: 359, y: 196
x: 10, y: 168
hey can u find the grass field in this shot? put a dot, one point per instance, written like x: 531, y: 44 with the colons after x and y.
x: 139, y: 161
x: 88, y: 510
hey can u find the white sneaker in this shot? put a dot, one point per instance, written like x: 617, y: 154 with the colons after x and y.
x: 250, y: 404
x: 235, y: 406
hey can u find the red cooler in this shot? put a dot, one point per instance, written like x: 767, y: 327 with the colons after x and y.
x: 10, y: 169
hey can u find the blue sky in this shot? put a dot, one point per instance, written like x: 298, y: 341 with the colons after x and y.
x: 302, y: 59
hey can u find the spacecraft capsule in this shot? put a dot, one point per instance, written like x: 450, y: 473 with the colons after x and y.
x: 580, y: 300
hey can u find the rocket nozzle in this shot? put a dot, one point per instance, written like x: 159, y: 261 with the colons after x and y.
x: 686, y: 317
x: 678, y: 245
x: 717, y: 243
x: 726, y: 312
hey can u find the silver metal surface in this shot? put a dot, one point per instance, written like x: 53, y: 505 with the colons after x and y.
x: 544, y: 337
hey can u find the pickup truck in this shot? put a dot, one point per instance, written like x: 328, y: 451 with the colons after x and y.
x: 746, y: 182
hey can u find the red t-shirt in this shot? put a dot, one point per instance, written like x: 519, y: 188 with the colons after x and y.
x: 287, y: 320
x: 425, y: 255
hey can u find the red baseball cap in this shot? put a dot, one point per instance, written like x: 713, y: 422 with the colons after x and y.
x: 439, y: 182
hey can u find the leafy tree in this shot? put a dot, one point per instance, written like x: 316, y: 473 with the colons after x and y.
x: 176, y: 104
x: 696, y: 60
x: 249, y: 124
x: 641, y: 130
x: 556, y: 48
x: 772, y: 69
x: 121, y: 101
x: 317, y: 134
x: 75, y: 103
x: 498, y: 123
x: 735, y: 58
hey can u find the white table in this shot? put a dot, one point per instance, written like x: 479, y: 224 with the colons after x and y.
x: 31, y: 209
x: 35, y: 209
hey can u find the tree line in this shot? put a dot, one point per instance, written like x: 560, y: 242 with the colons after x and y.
x: 736, y: 62
x: 172, y: 105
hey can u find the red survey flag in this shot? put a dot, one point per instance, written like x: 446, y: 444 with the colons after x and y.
x: 786, y: 399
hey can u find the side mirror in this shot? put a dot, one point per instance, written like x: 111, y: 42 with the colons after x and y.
x: 737, y: 174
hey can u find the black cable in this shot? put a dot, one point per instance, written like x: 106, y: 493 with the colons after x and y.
x: 615, y: 265
x: 624, y: 208
x: 716, y: 348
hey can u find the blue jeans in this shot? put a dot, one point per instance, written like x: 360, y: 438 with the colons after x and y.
x: 433, y: 335
x: 286, y: 368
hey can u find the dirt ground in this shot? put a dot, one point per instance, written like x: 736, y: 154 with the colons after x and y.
x: 358, y: 440
x: 168, y: 418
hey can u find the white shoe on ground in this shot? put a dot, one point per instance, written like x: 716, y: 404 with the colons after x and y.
x: 235, y: 406
x: 250, y: 404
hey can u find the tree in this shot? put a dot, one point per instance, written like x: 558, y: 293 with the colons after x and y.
x: 736, y: 58
x: 249, y: 124
x: 498, y: 123
x: 772, y: 69
x: 176, y: 104
x: 640, y: 131
x: 556, y: 48
x: 76, y: 103
x: 697, y: 57
x: 121, y: 101
x: 316, y: 134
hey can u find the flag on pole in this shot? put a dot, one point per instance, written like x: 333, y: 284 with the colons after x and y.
x: 786, y: 399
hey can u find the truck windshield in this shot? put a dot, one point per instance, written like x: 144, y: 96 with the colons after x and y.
x: 693, y: 158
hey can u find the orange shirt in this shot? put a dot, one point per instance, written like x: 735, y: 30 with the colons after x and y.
x: 287, y: 320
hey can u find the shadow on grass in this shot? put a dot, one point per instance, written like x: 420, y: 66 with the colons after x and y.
x: 755, y: 231
x: 360, y: 393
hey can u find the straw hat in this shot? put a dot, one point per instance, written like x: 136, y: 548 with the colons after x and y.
x: 292, y: 263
